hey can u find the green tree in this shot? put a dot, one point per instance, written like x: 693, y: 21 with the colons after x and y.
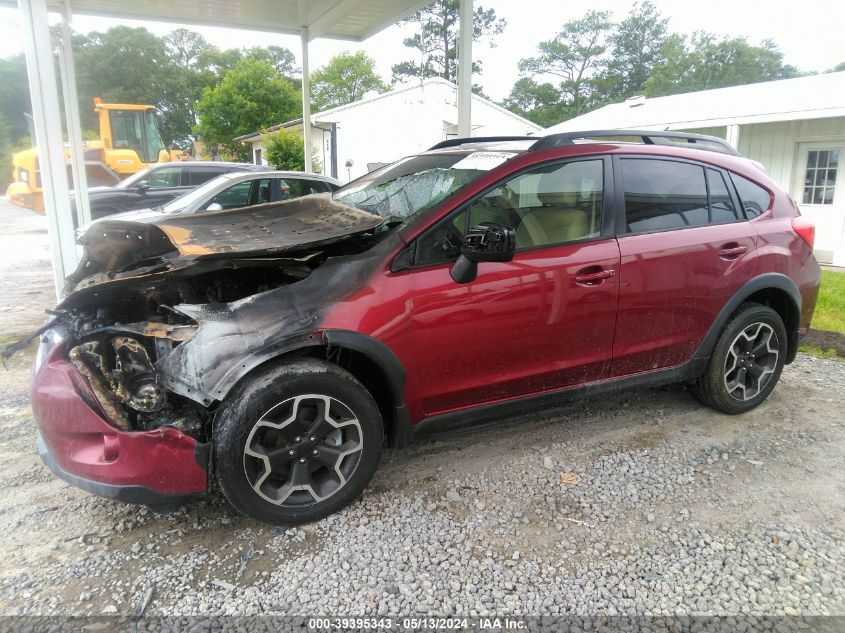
x: 5, y: 153
x: 636, y: 49
x: 540, y: 103
x: 218, y: 62
x: 285, y: 150
x: 122, y: 65
x: 704, y: 61
x: 346, y: 78
x: 251, y: 96
x: 14, y: 96
x: 281, y: 59
x: 437, y: 40
x: 575, y: 58
x: 183, y: 84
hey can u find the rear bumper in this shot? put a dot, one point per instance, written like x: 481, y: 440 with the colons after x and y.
x: 161, y: 467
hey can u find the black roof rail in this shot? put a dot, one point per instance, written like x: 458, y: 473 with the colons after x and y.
x: 648, y: 137
x: 454, y: 142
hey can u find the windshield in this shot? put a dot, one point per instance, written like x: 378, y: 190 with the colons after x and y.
x: 154, y: 145
x: 409, y: 186
x: 137, y: 130
x: 195, y: 196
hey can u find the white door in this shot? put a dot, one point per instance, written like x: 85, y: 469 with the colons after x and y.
x: 819, y: 190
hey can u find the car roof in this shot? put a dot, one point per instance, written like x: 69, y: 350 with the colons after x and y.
x: 275, y: 173
x: 212, y: 163
x: 667, y: 139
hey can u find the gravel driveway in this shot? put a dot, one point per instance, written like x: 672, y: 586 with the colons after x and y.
x: 645, y: 503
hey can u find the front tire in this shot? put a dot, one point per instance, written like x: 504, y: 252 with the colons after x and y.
x: 746, y: 362
x: 297, y: 442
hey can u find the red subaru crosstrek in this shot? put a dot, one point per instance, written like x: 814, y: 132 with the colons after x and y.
x: 279, y: 346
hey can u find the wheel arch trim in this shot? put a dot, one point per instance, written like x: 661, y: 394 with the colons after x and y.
x: 392, y: 369
x: 767, y: 281
x: 375, y: 350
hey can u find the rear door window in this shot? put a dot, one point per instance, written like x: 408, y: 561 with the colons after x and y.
x: 199, y: 175
x: 245, y: 194
x: 662, y: 195
x: 297, y: 187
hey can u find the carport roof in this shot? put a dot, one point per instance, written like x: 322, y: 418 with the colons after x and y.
x: 354, y: 20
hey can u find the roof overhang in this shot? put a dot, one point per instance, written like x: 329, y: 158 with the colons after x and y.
x: 776, y: 117
x: 354, y: 20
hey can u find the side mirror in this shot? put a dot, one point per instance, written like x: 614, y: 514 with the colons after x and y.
x: 214, y: 206
x: 142, y: 186
x: 487, y: 242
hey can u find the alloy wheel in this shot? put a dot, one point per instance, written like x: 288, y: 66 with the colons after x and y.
x: 751, y: 361
x: 303, y: 450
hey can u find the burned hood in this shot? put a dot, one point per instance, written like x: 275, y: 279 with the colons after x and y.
x: 119, y: 248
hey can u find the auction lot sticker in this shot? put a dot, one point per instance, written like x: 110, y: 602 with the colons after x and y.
x: 483, y: 161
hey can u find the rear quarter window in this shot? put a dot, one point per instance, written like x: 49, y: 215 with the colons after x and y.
x: 754, y: 199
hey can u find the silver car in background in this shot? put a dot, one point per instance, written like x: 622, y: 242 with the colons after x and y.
x: 234, y: 190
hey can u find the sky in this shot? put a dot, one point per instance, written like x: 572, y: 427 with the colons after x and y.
x: 808, y: 32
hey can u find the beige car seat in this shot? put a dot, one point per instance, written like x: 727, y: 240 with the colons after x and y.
x: 555, y: 222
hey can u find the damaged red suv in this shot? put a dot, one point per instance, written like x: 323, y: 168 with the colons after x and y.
x: 278, y: 348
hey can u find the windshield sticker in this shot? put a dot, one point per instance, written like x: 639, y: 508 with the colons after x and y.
x: 483, y: 161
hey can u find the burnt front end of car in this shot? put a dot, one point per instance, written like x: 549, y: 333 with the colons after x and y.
x: 103, y: 425
x: 160, y: 321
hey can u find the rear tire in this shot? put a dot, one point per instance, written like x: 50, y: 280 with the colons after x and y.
x: 746, y: 362
x: 297, y: 442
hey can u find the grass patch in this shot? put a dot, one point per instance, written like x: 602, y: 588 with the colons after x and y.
x: 818, y: 352
x: 22, y: 356
x: 8, y: 339
x: 830, y: 306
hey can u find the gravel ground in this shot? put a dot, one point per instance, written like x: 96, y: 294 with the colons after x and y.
x: 642, y: 504
x: 26, y: 279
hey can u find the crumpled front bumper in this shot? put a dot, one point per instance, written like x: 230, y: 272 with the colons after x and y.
x: 159, y: 468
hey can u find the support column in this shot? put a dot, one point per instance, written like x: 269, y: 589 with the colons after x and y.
x: 732, y: 136
x: 48, y: 134
x: 74, y: 127
x: 306, y: 98
x: 465, y: 70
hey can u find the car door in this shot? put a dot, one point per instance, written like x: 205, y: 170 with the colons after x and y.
x: 540, y: 322
x: 685, y: 248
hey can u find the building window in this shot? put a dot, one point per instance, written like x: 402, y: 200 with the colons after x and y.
x: 820, y: 176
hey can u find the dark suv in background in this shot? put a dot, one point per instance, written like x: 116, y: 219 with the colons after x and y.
x: 278, y: 346
x: 158, y: 184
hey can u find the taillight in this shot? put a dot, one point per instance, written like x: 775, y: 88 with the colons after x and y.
x: 805, y: 229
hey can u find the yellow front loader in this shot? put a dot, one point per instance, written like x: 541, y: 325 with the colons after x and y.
x: 129, y: 141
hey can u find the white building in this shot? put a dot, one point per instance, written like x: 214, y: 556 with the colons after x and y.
x: 794, y: 127
x: 353, y: 139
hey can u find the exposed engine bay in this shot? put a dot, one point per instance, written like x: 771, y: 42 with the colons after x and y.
x: 117, y: 354
x: 147, y: 321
